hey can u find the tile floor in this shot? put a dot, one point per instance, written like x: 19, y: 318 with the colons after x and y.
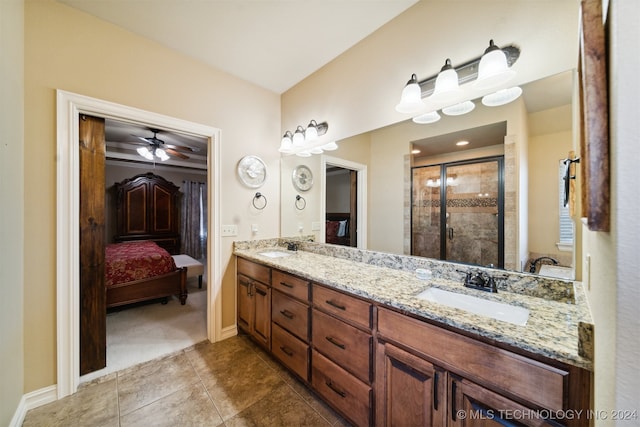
x: 229, y: 383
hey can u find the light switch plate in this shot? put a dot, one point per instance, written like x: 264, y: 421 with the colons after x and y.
x: 229, y: 230
x: 315, y: 226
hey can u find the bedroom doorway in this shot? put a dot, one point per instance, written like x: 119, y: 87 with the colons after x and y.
x: 69, y: 107
x: 344, y: 198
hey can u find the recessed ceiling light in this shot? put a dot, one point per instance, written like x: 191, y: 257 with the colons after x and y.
x: 462, y: 143
x: 415, y: 151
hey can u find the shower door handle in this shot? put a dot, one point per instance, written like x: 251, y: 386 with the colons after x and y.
x: 450, y: 232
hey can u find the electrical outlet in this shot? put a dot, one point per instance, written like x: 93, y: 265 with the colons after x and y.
x: 254, y: 228
x: 229, y: 230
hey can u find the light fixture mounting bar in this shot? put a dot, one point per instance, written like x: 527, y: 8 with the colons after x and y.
x: 468, y: 71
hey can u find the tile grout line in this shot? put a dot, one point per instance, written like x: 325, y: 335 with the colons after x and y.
x: 206, y: 390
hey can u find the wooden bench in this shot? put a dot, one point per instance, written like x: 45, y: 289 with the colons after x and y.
x: 194, y: 267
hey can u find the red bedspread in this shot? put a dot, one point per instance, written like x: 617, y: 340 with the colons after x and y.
x: 130, y: 261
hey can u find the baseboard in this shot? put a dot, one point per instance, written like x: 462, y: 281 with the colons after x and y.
x: 33, y: 400
x: 228, y: 332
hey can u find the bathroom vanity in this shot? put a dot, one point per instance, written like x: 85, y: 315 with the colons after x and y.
x: 351, y: 325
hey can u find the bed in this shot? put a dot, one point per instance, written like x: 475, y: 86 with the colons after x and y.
x: 337, y: 228
x: 139, y: 266
x: 140, y: 271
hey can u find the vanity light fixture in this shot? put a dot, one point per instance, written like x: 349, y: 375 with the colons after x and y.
x: 305, y: 142
x: 447, y: 91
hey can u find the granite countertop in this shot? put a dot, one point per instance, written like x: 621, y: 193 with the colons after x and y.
x: 554, y: 328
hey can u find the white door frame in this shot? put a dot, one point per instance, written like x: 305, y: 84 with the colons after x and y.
x: 361, y: 196
x: 69, y: 106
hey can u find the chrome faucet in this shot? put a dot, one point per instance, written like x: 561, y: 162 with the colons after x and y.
x: 480, y: 281
x: 534, y: 263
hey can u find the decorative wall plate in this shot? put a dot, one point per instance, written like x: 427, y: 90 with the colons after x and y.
x: 252, y: 171
x: 302, y: 178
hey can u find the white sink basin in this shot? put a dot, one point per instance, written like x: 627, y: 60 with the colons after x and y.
x: 480, y: 306
x: 275, y: 254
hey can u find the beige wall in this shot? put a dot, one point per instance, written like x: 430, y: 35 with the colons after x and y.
x: 11, y: 207
x: 69, y: 50
x: 545, y: 152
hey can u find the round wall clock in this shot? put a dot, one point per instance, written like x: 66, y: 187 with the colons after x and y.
x: 252, y: 171
x: 302, y: 178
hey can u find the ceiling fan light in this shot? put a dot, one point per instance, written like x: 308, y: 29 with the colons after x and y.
x: 426, y: 118
x: 459, y: 109
x: 493, y: 69
x: 502, y: 97
x: 161, y: 154
x: 144, y: 152
x: 411, y: 99
x: 446, y: 86
x: 316, y: 150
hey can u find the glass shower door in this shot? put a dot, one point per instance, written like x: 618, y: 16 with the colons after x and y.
x: 473, y: 218
x: 457, y: 212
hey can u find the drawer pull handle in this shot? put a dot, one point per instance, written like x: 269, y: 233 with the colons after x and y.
x: 287, y: 351
x: 286, y: 285
x: 287, y: 314
x: 335, y: 342
x: 336, y: 305
x: 335, y: 390
x: 260, y: 291
x: 435, y: 390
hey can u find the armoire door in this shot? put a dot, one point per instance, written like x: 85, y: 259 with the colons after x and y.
x: 93, y: 298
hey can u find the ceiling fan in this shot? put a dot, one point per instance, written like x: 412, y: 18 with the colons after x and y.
x: 156, y: 147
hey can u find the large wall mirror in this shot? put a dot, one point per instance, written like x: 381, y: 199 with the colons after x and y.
x: 531, y: 136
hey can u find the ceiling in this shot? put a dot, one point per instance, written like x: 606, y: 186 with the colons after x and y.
x: 285, y: 40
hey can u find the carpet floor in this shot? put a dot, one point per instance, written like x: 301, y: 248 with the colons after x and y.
x: 142, y: 332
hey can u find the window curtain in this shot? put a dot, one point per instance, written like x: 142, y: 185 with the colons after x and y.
x: 194, y: 219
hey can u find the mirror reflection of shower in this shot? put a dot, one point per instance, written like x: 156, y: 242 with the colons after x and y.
x: 461, y: 220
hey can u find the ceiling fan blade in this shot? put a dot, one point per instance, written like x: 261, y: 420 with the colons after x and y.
x: 182, y: 148
x: 176, y: 153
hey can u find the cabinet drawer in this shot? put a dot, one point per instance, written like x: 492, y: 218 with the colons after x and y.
x: 343, y: 391
x: 292, y: 352
x: 255, y: 271
x: 531, y: 380
x: 346, y: 345
x: 290, y: 314
x: 342, y: 305
x: 291, y: 285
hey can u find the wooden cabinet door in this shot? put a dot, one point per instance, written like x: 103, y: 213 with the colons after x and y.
x: 262, y: 313
x: 476, y: 406
x: 245, y: 303
x: 409, y: 390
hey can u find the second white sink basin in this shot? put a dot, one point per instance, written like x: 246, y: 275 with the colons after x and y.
x: 480, y: 306
x: 275, y: 254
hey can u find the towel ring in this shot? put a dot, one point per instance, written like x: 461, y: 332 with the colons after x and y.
x: 259, y: 196
x: 301, y: 203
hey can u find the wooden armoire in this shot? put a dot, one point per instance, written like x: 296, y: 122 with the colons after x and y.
x: 148, y: 208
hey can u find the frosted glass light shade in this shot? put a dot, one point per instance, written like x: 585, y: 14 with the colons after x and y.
x: 286, y: 144
x: 298, y: 137
x: 446, y: 85
x: 161, y: 154
x: 427, y: 118
x: 502, y: 97
x: 330, y: 146
x: 411, y: 99
x: 459, y: 109
x: 144, y: 152
x: 303, y: 154
x: 493, y: 70
x: 311, y: 133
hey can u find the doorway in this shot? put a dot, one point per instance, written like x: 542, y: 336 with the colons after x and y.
x: 457, y: 211
x: 357, y: 199
x: 69, y: 107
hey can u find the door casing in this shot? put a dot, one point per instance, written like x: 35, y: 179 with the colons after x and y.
x: 69, y: 107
